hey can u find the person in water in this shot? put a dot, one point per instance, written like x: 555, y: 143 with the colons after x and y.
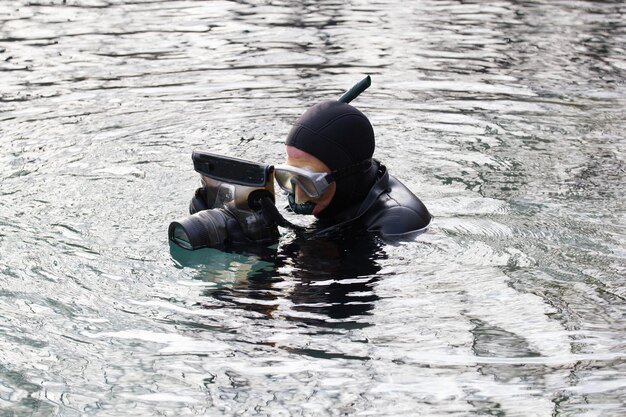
x: 330, y: 173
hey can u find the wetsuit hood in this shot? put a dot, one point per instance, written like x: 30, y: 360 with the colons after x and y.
x: 340, y: 136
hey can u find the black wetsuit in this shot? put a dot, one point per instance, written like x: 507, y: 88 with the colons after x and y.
x: 389, y: 208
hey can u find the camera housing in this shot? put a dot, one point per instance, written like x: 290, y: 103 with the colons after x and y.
x: 227, y: 208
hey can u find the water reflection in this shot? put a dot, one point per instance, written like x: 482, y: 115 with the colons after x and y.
x: 334, y: 278
x: 323, y: 281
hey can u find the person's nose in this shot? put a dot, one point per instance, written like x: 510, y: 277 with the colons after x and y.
x: 301, y: 196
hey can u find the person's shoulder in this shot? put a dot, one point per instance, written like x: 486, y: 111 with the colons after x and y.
x: 397, y: 212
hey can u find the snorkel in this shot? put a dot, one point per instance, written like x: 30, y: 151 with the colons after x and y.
x: 321, y: 131
x: 356, y: 90
x: 300, y: 208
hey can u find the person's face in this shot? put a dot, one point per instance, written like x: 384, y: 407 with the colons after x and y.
x: 301, y: 159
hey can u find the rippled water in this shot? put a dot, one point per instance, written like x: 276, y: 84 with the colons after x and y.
x: 507, y: 118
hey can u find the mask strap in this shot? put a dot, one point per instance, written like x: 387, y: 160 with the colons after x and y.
x: 272, y: 216
x: 347, y: 171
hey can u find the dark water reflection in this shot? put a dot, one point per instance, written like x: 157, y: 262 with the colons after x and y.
x: 335, y: 278
x: 507, y: 118
x: 330, y: 281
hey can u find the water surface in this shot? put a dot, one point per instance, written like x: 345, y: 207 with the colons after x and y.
x: 506, y: 118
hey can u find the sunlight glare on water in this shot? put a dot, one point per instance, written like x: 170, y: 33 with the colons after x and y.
x: 506, y: 118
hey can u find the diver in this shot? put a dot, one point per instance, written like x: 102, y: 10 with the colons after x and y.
x: 329, y: 172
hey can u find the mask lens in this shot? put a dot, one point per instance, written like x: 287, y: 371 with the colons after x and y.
x: 283, y: 178
x: 288, y: 180
x: 306, y: 185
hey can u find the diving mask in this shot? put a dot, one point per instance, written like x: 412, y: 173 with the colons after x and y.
x: 313, y: 184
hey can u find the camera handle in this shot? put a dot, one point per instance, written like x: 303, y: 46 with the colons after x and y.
x: 273, y: 216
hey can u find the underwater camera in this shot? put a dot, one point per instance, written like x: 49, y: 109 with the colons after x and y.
x: 228, y: 208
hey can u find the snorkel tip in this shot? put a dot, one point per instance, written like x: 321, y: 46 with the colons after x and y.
x: 357, y: 89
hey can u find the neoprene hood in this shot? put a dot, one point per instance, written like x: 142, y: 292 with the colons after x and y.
x: 335, y: 133
x: 340, y: 136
